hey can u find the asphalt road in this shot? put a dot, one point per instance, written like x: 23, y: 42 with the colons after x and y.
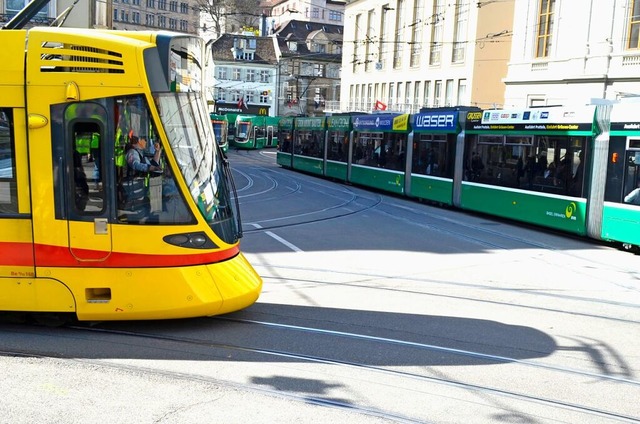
x: 374, y: 309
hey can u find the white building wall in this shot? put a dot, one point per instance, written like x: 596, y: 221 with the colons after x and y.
x: 311, y: 10
x: 588, y: 58
x: 369, y: 81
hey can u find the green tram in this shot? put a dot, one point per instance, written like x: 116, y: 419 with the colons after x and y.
x: 437, y: 135
x: 309, y: 144
x: 284, y: 156
x: 339, y: 142
x: 379, y: 151
x: 255, y: 132
x: 573, y: 169
x: 220, y: 124
x: 529, y: 165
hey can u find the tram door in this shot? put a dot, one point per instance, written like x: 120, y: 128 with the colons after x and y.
x: 87, y: 182
x: 269, y: 142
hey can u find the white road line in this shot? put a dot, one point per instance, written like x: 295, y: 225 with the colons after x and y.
x: 280, y: 239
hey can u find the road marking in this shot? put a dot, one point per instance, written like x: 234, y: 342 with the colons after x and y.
x: 280, y: 239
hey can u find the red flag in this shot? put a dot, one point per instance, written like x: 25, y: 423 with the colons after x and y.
x: 380, y: 105
x: 241, y: 103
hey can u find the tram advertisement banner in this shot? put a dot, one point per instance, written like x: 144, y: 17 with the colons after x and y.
x: 441, y: 121
x: 543, y: 119
x: 286, y: 123
x: 339, y: 123
x: 310, y: 123
x: 381, y: 122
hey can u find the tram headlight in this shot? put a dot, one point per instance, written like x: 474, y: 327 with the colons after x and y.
x: 190, y: 240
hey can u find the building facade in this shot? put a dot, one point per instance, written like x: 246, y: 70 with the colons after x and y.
x: 86, y: 14
x: 278, y: 12
x: 244, y: 74
x: 572, y: 51
x: 402, y: 55
x: 171, y: 15
x: 309, y: 62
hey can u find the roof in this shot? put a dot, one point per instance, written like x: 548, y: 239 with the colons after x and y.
x: 221, y: 49
x: 301, y: 32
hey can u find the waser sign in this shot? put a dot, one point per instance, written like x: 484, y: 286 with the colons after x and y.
x: 435, y: 121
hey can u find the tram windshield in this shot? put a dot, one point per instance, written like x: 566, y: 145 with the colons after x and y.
x: 191, y: 138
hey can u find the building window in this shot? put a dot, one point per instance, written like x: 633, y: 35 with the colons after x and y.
x: 545, y: 28
x: 460, y: 35
x: 251, y: 75
x: 437, y: 31
x: 462, y: 92
x: 427, y: 94
x: 437, y: 92
x: 634, y: 25
x: 399, y: 39
x: 236, y: 74
x: 448, y: 93
x: 356, y: 46
x: 368, y: 42
x: 264, y: 97
x: 264, y: 76
x: 383, y: 45
x: 416, y: 34
x: 222, y: 73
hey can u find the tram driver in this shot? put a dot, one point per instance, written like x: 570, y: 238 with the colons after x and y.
x: 136, y: 182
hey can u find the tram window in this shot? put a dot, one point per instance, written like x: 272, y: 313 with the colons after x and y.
x: 634, y: 144
x: 367, y: 148
x: 431, y: 156
x: 8, y: 189
x: 85, y: 134
x: 491, y: 139
x: 87, y: 189
x: 338, y: 146
x: 151, y: 196
x: 393, y: 152
x: 521, y: 140
x: 311, y: 143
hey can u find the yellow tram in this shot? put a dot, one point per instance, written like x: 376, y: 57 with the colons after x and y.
x: 83, y: 233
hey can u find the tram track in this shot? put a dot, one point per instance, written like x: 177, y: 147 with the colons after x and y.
x: 461, y: 229
x: 391, y: 376
x: 591, y: 360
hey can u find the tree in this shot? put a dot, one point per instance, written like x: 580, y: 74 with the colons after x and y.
x: 230, y: 15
